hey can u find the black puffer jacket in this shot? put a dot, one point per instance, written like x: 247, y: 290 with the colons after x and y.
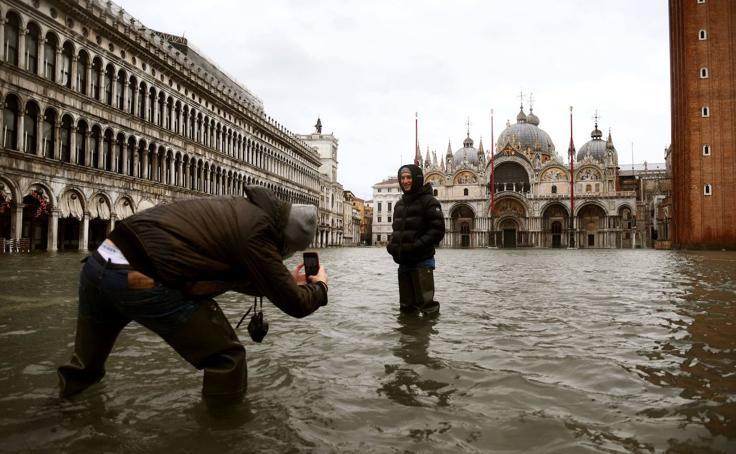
x: 418, y: 224
x: 230, y: 240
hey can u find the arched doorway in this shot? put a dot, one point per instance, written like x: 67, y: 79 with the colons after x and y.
x: 70, y: 221
x: 463, y: 220
x: 554, y: 223
x: 35, y: 228
x: 591, y: 227
x: 99, y: 213
x: 509, y: 231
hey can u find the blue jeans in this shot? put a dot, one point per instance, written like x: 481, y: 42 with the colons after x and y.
x: 104, y: 297
x: 426, y: 263
x: 196, y: 328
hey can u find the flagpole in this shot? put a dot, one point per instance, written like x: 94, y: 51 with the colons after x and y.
x: 493, y: 183
x: 417, y: 156
x: 572, y: 186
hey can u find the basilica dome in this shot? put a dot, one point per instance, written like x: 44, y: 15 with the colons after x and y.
x: 526, y: 136
x: 467, y: 152
x: 597, y: 148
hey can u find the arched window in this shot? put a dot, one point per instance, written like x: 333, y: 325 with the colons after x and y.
x: 66, y: 65
x: 66, y: 138
x: 96, y: 141
x: 151, y: 104
x: 465, y: 191
x: 107, y: 150
x: 30, y: 125
x: 132, y: 91
x: 554, y: 189
x: 81, y: 143
x: 161, y: 109
x: 32, y: 39
x: 82, y: 65
x: 120, y: 83
x: 10, y: 122
x: 434, y: 192
x: 12, y: 28
x: 142, y: 101
x: 49, y: 57
x: 708, y: 189
x: 49, y: 141
x: 96, y: 77
x: 109, y: 80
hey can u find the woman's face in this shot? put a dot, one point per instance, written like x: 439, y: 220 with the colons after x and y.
x: 405, y: 181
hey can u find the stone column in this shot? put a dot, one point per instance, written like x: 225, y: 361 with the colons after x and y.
x: 179, y: 169
x: 84, y: 232
x: 57, y: 64
x: 126, y: 168
x: 16, y: 221
x: 87, y: 148
x: 73, y: 145
x: 41, y: 68
x: 39, y: 134
x: 114, y: 90
x: 53, y: 231
x: 20, y: 134
x: 111, y: 223
x: 144, y: 171
x: 88, y: 82
x: 133, y: 99
x: 56, y: 152
x: 2, y: 39
x: 73, y: 73
x: 22, y: 48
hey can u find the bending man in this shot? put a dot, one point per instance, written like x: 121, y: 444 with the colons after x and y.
x: 162, y: 267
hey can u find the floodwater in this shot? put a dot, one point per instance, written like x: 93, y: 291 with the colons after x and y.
x: 534, y: 351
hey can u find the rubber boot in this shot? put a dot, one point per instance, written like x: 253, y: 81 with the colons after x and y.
x: 406, y: 293
x: 92, y: 346
x: 207, y: 341
x: 423, y: 282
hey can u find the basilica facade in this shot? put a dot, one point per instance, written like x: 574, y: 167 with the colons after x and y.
x: 525, y: 195
x: 103, y: 117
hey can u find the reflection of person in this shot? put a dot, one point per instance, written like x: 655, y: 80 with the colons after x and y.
x: 161, y: 268
x: 418, y: 227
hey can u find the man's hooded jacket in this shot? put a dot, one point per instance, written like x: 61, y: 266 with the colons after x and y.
x: 418, y: 223
x: 235, y: 241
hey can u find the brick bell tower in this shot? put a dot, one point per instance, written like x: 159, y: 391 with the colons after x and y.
x: 703, y: 84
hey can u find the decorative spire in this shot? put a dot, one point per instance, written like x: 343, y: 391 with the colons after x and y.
x: 434, y: 158
x: 449, y: 149
x: 596, y: 134
x: 609, y: 141
x: 427, y: 160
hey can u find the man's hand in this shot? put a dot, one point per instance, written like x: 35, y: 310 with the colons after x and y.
x: 300, y: 278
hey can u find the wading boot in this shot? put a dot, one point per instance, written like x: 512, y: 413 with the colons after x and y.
x: 423, y: 283
x: 406, y: 293
x: 92, y: 346
x: 207, y: 341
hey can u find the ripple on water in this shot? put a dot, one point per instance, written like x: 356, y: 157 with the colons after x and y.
x: 534, y: 351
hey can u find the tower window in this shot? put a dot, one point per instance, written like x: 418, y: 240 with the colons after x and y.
x: 554, y: 189
x: 434, y: 192
x: 702, y: 35
x: 706, y: 150
x: 708, y: 189
x: 465, y: 191
x: 703, y: 73
x: 705, y: 111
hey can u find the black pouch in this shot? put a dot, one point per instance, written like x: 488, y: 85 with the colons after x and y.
x: 258, y: 326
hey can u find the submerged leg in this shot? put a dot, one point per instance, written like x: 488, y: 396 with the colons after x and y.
x: 92, y: 345
x: 207, y: 341
x: 406, y: 293
x: 423, y: 283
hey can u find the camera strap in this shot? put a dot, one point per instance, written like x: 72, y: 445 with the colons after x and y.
x: 252, y: 308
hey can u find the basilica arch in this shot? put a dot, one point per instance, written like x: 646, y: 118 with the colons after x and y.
x: 462, y: 227
x: 71, y: 219
x: 592, y: 226
x: 510, y: 222
x: 555, y: 225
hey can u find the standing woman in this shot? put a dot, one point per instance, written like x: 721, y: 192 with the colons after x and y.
x: 418, y: 227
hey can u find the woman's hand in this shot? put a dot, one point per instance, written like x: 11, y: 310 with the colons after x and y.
x: 300, y: 278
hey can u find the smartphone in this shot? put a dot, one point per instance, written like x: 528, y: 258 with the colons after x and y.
x: 311, y: 263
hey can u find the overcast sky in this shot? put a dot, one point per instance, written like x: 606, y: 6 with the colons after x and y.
x: 366, y: 67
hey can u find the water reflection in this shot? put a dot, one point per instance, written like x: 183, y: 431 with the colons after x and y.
x: 409, y: 384
x: 700, y: 357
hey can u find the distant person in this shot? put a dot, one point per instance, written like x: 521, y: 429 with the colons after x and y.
x: 161, y: 268
x: 418, y: 227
